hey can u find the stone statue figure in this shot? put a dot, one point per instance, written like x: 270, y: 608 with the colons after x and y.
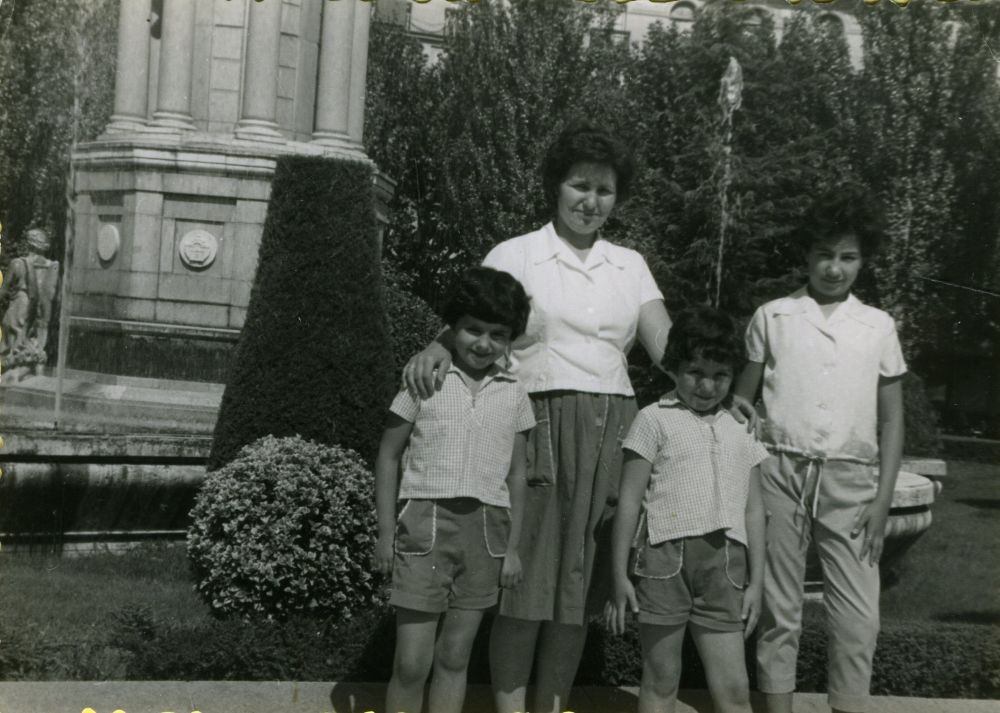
x: 31, y: 284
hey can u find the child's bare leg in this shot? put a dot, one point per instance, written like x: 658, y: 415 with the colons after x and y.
x: 512, y: 653
x: 451, y: 659
x: 778, y: 702
x: 661, y: 667
x: 725, y: 668
x: 415, y: 633
x: 560, y: 647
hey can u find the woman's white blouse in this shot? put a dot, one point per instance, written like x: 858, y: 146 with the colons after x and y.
x: 584, y: 315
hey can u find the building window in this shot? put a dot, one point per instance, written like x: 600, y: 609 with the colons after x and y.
x: 682, y: 14
x: 753, y: 20
x: 452, y: 18
x: 830, y: 24
x: 396, y: 12
x: 616, y: 37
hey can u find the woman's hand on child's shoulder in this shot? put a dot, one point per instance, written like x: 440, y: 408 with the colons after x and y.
x: 743, y: 411
x: 425, y: 372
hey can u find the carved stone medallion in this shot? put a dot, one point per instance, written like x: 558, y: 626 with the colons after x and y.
x: 198, y: 249
x: 108, y: 242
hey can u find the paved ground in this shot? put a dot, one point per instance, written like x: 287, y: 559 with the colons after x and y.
x: 319, y: 697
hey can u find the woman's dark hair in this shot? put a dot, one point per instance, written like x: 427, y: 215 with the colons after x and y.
x: 489, y: 295
x: 582, y: 142
x: 705, y: 332
x: 848, y: 211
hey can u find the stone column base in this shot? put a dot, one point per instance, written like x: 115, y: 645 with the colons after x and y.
x: 259, y: 130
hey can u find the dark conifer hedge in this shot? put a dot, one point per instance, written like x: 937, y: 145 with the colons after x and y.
x: 314, y: 357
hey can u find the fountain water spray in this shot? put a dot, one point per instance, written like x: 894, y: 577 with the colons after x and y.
x: 730, y: 99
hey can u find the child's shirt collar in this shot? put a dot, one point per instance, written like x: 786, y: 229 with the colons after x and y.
x: 494, y: 373
x: 801, y: 302
x: 671, y: 400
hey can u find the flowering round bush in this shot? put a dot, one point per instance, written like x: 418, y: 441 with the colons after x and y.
x: 287, y: 526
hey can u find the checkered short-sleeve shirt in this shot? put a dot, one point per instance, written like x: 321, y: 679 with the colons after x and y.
x: 461, y: 445
x: 701, y: 470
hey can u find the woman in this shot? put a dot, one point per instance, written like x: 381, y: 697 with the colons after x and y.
x: 590, y: 299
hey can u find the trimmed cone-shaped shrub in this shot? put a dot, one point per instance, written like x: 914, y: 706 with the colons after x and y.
x: 412, y: 323
x: 286, y: 527
x: 314, y: 357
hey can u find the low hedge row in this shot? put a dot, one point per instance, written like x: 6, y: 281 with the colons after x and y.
x: 980, y: 450
x: 930, y: 660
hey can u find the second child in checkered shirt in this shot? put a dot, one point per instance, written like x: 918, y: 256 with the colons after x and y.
x: 454, y: 542
x: 700, y: 547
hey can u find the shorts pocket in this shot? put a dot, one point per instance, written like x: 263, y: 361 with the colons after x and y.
x: 416, y: 527
x: 496, y: 529
x: 541, y: 466
x: 736, y: 564
x: 660, y: 561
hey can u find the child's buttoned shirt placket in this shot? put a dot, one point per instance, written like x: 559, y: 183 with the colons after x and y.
x: 461, y: 443
x: 689, y: 494
x: 474, y: 418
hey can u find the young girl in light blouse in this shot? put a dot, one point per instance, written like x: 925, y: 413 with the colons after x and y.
x: 831, y: 369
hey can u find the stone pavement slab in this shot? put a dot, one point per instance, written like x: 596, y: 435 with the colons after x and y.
x: 327, y: 697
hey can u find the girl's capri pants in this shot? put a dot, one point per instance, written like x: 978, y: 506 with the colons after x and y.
x: 816, y: 501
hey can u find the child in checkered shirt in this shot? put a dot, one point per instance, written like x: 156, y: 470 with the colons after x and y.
x: 454, y: 542
x: 696, y: 469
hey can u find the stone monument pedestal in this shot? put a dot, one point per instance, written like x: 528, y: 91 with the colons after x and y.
x: 170, y: 203
x: 167, y: 231
x: 171, y: 199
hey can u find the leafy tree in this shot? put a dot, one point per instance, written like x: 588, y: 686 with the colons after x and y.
x: 902, y: 152
x: 779, y: 159
x: 56, y: 89
x: 401, y: 96
x: 973, y: 147
x: 57, y: 64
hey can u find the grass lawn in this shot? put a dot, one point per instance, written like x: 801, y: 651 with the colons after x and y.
x: 69, y: 597
x: 952, y: 573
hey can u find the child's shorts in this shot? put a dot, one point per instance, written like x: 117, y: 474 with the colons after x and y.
x: 448, y: 554
x: 696, y: 579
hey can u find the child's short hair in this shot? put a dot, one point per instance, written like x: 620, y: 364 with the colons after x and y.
x: 848, y: 211
x: 489, y: 295
x: 705, y: 332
